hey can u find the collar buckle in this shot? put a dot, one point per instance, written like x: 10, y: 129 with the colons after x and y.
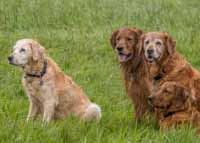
x: 40, y: 75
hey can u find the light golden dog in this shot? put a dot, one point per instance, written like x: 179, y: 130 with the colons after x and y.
x: 51, y: 93
x: 176, y: 84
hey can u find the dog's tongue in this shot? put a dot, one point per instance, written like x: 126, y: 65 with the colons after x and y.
x: 122, y: 58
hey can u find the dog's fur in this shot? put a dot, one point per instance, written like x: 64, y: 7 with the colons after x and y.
x: 173, y: 106
x: 55, y: 95
x: 176, y: 84
x: 133, y: 67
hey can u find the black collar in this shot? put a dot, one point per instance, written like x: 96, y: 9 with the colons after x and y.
x: 41, y: 74
x: 158, y: 77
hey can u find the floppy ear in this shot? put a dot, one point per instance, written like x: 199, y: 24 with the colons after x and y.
x: 113, y: 38
x: 141, y: 44
x: 170, y: 43
x: 138, y: 32
x: 37, y: 51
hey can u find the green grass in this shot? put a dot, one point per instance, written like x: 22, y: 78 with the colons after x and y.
x: 76, y: 35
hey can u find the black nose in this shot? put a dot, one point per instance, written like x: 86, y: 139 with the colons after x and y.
x: 120, y: 49
x: 150, y: 51
x: 150, y: 98
x: 10, y: 58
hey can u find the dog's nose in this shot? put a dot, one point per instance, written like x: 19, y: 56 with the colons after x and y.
x: 150, y: 98
x: 10, y: 58
x: 150, y: 51
x: 119, y: 49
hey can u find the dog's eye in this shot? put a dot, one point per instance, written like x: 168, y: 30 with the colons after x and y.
x: 158, y: 43
x: 129, y: 39
x: 22, y: 50
x: 146, y: 42
x: 117, y: 38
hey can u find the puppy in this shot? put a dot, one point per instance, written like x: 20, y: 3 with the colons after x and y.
x: 133, y: 67
x: 167, y: 69
x: 51, y: 93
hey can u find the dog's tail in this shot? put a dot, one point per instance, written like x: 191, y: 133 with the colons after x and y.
x: 92, y: 113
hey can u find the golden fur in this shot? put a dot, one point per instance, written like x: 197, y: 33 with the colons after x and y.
x: 176, y: 93
x: 54, y: 95
x: 133, y: 67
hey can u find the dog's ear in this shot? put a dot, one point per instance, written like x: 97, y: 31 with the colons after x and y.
x: 170, y: 43
x: 37, y: 51
x: 113, y: 38
x: 141, y: 44
x: 138, y: 32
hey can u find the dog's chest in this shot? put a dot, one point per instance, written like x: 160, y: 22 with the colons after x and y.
x: 36, y: 89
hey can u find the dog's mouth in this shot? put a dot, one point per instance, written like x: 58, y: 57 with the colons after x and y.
x: 151, y: 58
x: 160, y: 106
x: 157, y: 102
x: 124, y: 57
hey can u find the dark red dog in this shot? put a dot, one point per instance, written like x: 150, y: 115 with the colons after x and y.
x: 133, y: 67
x: 176, y: 89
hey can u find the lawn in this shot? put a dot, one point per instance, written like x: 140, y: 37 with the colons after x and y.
x: 76, y: 35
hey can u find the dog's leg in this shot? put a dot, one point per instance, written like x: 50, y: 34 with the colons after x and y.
x: 49, y: 111
x: 174, y: 120
x: 33, y: 110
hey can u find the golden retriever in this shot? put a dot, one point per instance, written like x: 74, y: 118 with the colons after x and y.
x: 176, y: 84
x: 51, y: 93
x: 133, y: 67
x: 173, y: 106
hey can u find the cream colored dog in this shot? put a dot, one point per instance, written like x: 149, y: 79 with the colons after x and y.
x: 51, y: 93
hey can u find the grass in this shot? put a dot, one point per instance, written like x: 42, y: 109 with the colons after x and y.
x: 76, y: 35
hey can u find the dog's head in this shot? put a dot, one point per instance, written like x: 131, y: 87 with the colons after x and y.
x: 157, y: 46
x: 125, y: 41
x: 170, y: 97
x: 26, y: 51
